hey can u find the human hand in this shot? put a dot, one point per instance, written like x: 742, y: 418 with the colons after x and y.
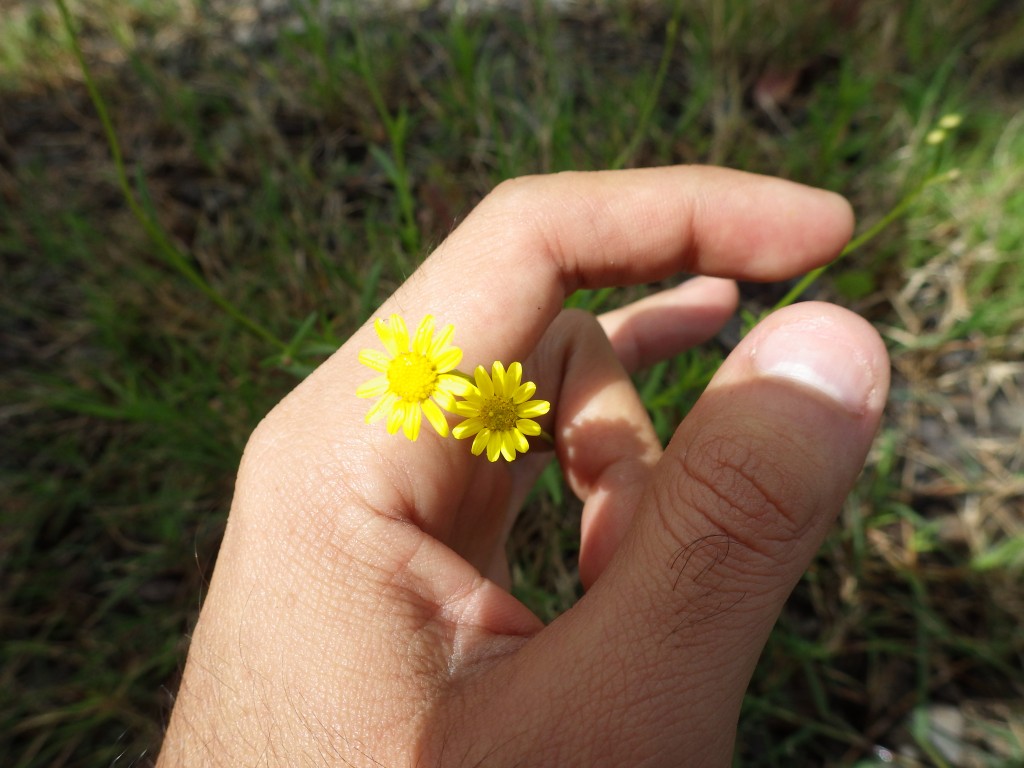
x: 357, y: 614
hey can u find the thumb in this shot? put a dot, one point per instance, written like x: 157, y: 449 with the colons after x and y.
x: 666, y: 640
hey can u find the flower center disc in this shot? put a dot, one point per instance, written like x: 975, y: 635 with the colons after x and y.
x: 499, y: 414
x: 412, y: 377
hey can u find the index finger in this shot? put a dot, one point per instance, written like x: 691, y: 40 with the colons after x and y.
x: 503, y: 275
x: 500, y: 279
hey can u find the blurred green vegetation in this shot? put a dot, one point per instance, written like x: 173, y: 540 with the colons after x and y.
x: 290, y: 164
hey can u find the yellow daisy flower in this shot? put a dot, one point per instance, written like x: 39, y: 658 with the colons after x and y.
x: 412, y: 373
x: 500, y: 412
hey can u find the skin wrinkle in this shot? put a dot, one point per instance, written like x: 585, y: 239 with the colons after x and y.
x: 615, y: 677
x: 548, y: 249
x: 330, y: 497
x: 558, y: 250
x: 507, y: 342
x: 439, y: 625
x: 691, y: 248
x: 633, y: 692
x: 710, y: 722
x: 744, y: 579
x: 395, y: 591
x: 398, y: 474
x: 457, y: 716
x: 537, y: 743
x: 354, y: 547
x: 513, y: 218
x: 401, y: 585
x: 428, y: 587
x: 545, y: 242
x: 718, y: 465
x: 494, y: 750
x: 700, y: 488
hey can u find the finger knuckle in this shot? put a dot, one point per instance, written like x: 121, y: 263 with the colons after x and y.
x: 515, y: 194
x: 748, y: 490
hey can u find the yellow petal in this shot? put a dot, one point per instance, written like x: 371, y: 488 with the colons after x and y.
x: 498, y: 377
x: 413, y: 419
x: 493, y: 446
x: 528, y: 427
x: 466, y: 408
x: 444, y: 399
x: 441, y: 341
x: 457, y: 385
x: 508, y: 449
x: 512, y: 379
x: 396, y: 417
x: 447, y: 360
x: 424, y: 335
x: 436, y: 418
x: 387, y: 336
x: 532, y: 408
x: 519, y: 441
x: 480, y: 441
x: 400, y: 334
x: 373, y: 388
x: 483, y: 382
x: 381, y: 407
x: 468, y: 428
x: 375, y: 359
x: 523, y: 393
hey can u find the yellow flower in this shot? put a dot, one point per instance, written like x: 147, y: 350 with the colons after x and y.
x: 500, y: 412
x: 412, y: 375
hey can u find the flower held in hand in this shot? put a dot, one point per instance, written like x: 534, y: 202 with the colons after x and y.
x: 415, y: 376
x: 500, y: 412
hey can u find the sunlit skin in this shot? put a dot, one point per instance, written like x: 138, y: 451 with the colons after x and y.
x: 359, y: 613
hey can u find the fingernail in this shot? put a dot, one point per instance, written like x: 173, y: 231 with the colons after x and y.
x: 818, y: 354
